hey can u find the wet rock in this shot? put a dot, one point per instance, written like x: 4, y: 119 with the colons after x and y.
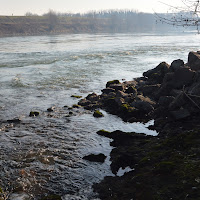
x: 178, y: 102
x: 95, y: 158
x: 14, y: 121
x: 84, y: 102
x: 131, y: 90
x: 76, y: 96
x: 98, y: 114
x: 149, y: 90
x: 117, y: 87
x: 121, y: 94
x: 92, y: 97
x: 112, y: 82
x: 92, y: 106
x: 119, y: 101
x: 176, y: 64
x: 182, y: 77
x: 180, y: 114
x: 51, y: 109
x: 194, y: 60
x: 157, y: 74
x: 108, y: 90
x: 76, y: 106
x: 34, y: 114
x: 142, y: 106
x: 165, y: 101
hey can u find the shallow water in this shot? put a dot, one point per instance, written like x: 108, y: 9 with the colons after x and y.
x: 44, y: 154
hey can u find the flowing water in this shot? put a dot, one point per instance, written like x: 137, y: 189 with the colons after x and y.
x: 43, y: 155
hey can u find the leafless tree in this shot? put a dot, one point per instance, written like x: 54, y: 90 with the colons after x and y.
x: 53, y: 19
x: 186, y: 15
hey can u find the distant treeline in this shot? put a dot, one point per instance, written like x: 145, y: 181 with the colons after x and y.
x: 109, y: 21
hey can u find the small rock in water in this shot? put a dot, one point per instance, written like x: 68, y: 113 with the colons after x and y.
x: 97, y: 114
x: 95, y: 158
x: 34, y: 113
x: 51, y: 109
x: 14, y: 121
x: 76, y: 96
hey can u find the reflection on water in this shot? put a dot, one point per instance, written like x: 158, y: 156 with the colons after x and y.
x: 44, y: 154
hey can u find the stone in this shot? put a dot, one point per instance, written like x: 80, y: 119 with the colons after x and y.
x: 51, y: 109
x: 14, y: 121
x: 92, y: 97
x: 148, y: 90
x: 76, y: 96
x: 180, y: 114
x: 34, y: 113
x: 108, y: 90
x: 131, y: 90
x: 112, y: 82
x: 176, y: 64
x: 160, y: 71
x: 117, y: 87
x: 165, y: 100
x: 182, y: 77
x: 84, y: 102
x: 121, y: 94
x: 194, y: 60
x: 119, y: 101
x: 95, y: 158
x: 98, y: 114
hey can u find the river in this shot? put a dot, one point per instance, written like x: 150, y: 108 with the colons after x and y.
x: 43, y: 155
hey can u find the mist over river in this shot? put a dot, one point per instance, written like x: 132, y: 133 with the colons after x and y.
x: 43, y: 155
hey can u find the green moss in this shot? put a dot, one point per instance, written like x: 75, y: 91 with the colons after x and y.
x: 165, y: 167
x: 112, y: 82
x: 76, y: 106
x: 34, y: 113
x: 97, y: 114
x: 125, y: 107
x: 76, y: 96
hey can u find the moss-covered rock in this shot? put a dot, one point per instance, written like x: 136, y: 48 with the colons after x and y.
x: 98, y: 114
x: 76, y: 106
x: 76, y: 96
x: 34, y: 113
x: 112, y: 82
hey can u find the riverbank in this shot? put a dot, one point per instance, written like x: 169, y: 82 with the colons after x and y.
x: 165, y: 166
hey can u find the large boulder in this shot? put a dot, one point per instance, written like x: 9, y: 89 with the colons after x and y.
x: 157, y: 74
x: 176, y: 64
x: 194, y: 60
x: 182, y: 77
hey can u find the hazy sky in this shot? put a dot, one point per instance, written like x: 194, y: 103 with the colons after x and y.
x: 20, y: 7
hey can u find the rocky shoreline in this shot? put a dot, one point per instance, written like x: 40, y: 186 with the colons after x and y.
x: 166, y: 166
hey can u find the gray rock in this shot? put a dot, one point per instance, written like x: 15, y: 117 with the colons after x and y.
x: 84, y: 102
x: 121, y: 94
x: 194, y: 60
x: 161, y: 69
x: 180, y: 114
x: 117, y: 87
x: 165, y: 100
x: 92, y: 97
x: 119, y: 101
x: 108, y: 90
x: 176, y: 64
